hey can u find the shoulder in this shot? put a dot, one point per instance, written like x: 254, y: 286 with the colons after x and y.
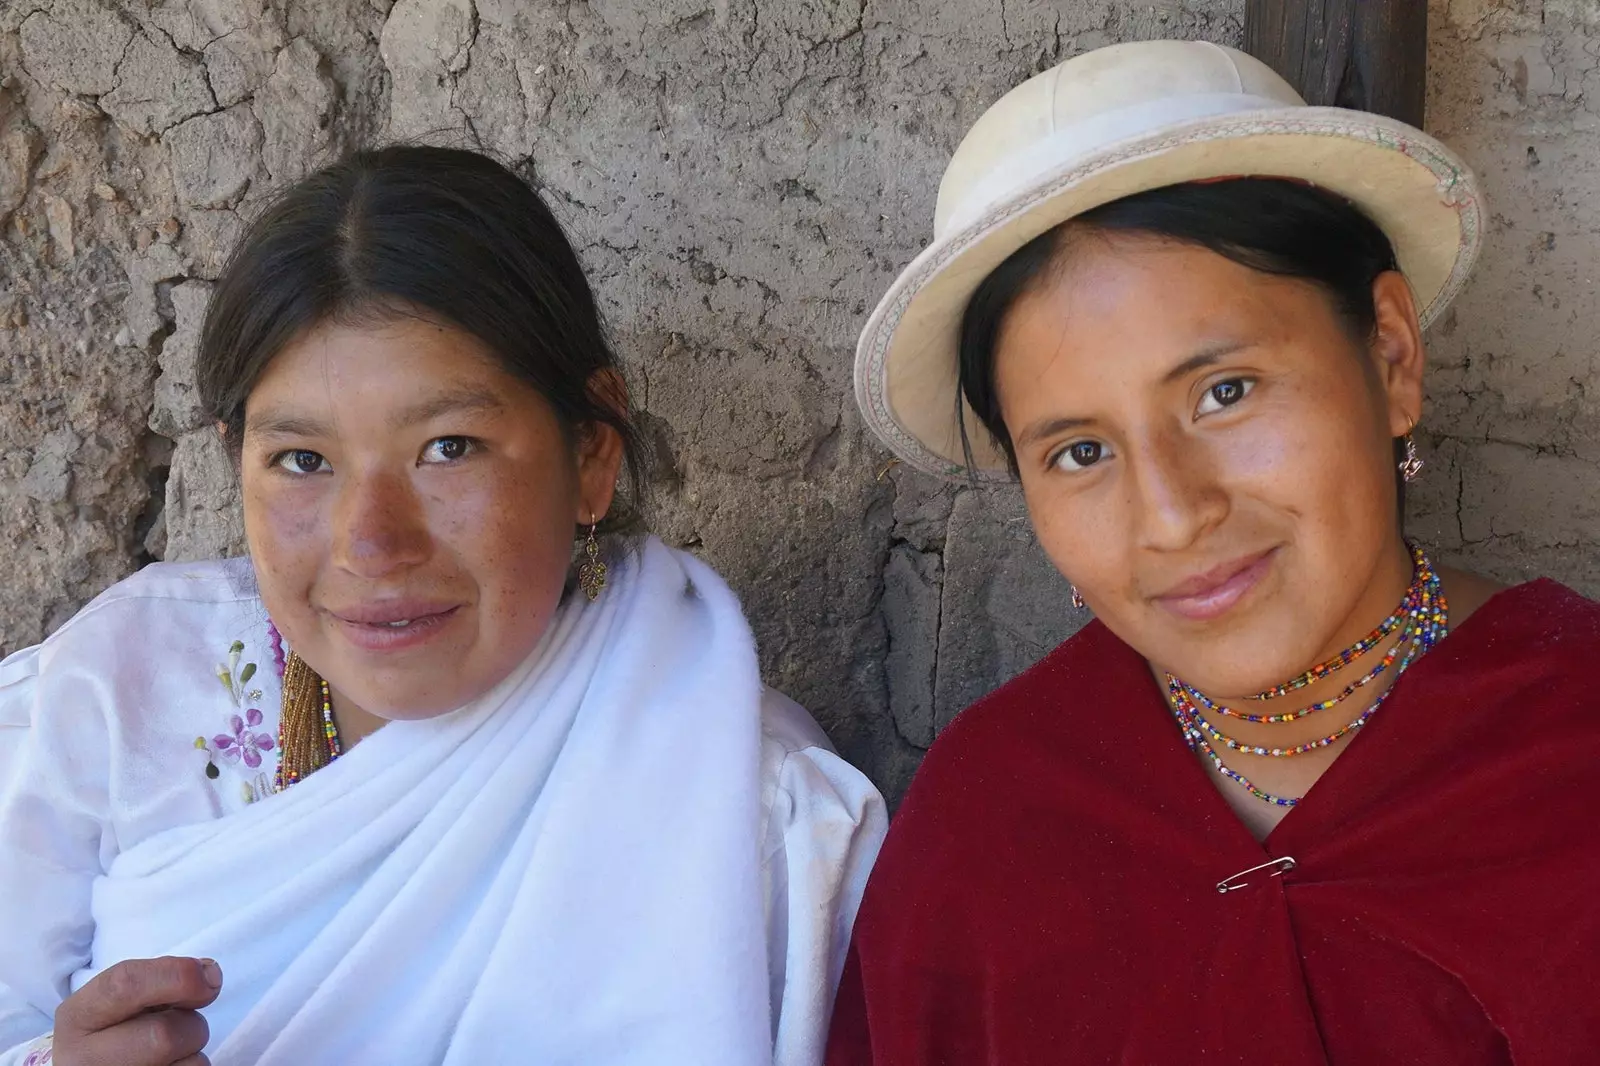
x: 1010, y: 754
x: 162, y: 600
x: 143, y: 612
x: 214, y: 581
x: 804, y: 782
x: 1548, y: 633
x: 786, y: 727
x: 1542, y: 618
x: 139, y: 644
x: 1034, y: 708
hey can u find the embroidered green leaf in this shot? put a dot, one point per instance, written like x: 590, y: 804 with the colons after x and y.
x: 236, y: 648
x: 225, y: 676
x: 247, y: 673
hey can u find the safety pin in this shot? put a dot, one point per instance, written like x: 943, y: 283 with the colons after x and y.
x: 1284, y: 864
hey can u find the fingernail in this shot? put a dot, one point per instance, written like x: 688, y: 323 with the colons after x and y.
x: 212, y: 972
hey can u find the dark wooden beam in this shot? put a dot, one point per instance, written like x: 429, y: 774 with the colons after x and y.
x: 1371, y: 55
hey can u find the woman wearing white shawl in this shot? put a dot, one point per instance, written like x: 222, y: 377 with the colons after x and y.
x: 584, y: 833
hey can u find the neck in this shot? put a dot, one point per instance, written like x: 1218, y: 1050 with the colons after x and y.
x: 1391, y: 579
x: 1385, y: 588
x: 355, y: 723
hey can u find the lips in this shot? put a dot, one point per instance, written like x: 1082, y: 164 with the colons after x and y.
x: 391, y: 612
x: 392, y: 625
x: 1214, y: 592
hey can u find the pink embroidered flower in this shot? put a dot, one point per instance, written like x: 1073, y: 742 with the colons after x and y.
x: 244, y: 743
x: 39, y: 1056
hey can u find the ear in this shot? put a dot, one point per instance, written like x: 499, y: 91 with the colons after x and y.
x: 1397, y: 352
x: 600, y: 449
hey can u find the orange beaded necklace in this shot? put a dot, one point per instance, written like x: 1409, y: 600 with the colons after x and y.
x: 308, y: 736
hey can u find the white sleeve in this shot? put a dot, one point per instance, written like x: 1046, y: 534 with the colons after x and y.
x: 825, y: 823
x: 54, y: 769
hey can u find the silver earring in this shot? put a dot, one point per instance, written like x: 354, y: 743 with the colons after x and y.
x: 1077, y: 599
x: 592, y: 574
x: 1411, y: 465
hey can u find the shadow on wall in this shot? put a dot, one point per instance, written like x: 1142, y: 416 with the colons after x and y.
x: 743, y: 180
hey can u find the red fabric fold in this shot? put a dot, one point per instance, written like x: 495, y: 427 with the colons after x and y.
x: 1048, y: 891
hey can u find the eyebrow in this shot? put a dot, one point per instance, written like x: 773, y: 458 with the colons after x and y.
x: 277, y: 423
x: 1204, y: 358
x: 1049, y: 427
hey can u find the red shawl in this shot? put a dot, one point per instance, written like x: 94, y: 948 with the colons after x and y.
x: 1048, y: 891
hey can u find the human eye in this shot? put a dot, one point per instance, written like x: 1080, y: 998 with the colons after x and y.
x: 1224, y: 394
x: 1079, y: 455
x: 448, y: 449
x: 301, y: 461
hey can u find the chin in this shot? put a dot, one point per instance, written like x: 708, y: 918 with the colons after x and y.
x: 1240, y: 660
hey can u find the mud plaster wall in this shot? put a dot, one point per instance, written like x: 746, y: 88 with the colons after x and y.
x: 743, y: 178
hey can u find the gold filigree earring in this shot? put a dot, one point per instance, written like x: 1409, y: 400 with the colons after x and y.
x: 592, y: 572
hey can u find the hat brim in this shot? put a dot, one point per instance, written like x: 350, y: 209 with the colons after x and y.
x: 1417, y: 191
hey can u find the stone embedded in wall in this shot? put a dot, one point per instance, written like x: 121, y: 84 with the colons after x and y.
x: 216, y: 158
x: 176, y: 410
x: 49, y: 476
x: 505, y: 90
x: 195, y: 25
x: 21, y: 145
x: 158, y: 265
x: 58, y: 220
x: 425, y: 44
x: 1004, y: 605
x: 912, y: 584
x: 202, y: 514
x: 156, y: 87
x: 241, y: 57
x: 295, y: 108
x: 209, y: 237
x: 75, y: 46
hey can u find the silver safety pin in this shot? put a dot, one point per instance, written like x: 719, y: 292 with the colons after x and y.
x: 1278, y: 866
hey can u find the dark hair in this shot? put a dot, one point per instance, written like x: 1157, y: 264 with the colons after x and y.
x: 1274, y: 225
x: 443, y: 233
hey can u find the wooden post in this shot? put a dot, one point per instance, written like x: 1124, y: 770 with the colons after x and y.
x: 1371, y: 55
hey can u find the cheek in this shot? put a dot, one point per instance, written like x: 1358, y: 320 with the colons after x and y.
x: 1313, y: 455
x: 512, y: 529
x: 283, y: 525
x: 1078, y: 531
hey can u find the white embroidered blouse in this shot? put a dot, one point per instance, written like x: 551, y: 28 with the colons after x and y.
x: 132, y: 738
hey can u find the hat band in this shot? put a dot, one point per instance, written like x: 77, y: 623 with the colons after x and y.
x: 1071, y: 144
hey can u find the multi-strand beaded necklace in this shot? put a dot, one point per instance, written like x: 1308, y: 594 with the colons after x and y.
x: 1422, y: 620
x: 308, y: 736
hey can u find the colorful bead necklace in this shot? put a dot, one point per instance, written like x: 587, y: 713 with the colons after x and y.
x: 1356, y: 650
x: 1424, y: 621
x: 1410, y: 608
x: 308, y: 735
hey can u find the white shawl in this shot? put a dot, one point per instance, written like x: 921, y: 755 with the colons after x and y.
x: 566, y: 871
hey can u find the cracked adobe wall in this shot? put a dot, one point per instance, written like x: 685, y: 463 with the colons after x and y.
x: 743, y: 178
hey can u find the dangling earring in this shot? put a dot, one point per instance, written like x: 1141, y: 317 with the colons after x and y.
x: 1077, y: 598
x: 592, y: 572
x: 1411, y: 465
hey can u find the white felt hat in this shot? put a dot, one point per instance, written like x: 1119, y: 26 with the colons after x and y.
x: 1109, y: 123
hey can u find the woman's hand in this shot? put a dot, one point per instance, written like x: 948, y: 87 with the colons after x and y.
x: 143, y: 1012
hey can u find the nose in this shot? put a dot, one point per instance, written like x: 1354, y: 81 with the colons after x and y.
x: 378, y: 525
x: 1178, y: 495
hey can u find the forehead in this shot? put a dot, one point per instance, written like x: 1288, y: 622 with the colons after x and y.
x: 1118, y: 311
x: 393, y: 360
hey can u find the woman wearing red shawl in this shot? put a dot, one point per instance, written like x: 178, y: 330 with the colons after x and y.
x: 1298, y: 796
